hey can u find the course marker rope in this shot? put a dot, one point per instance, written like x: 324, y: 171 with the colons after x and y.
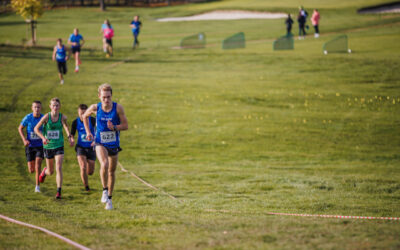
x: 337, y: 216
x: 72, y: 243
x: 317, y: 215
x: 146, y: 183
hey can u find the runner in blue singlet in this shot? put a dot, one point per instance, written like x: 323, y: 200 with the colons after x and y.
x: 60, y: 54
x: 110, y: 120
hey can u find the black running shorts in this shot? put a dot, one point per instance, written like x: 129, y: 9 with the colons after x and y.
x: 33, y: 152
x: 88, y: 152
x: 50, y: 153
x: 62, y: 67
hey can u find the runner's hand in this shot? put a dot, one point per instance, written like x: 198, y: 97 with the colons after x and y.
x: 110, y: 125
x: 26, y: 143
x: 89, y: 137
x: 71, y: 141
x: 45, y: 141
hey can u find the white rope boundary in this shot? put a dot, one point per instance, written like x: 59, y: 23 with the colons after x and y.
x: 146, y: 183
x: 315, y: 215
x: 270, y: 213
x: 72, y: 243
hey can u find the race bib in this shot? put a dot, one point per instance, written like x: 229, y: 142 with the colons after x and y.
x: 53, y: 134
x: 107, y: 137
x: 34, y: 136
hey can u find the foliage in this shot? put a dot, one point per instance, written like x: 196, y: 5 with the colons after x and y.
x: 28, y: 9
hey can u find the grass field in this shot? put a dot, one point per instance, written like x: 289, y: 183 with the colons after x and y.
x: 232, y: 134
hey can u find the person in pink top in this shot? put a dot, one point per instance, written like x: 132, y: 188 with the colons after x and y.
x: 108, y: 33
x: 315, y: 21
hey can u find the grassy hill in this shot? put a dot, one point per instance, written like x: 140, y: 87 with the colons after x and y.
x: 233, y: 134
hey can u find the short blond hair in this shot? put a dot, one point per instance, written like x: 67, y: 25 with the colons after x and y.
x: 55, y: 99
x: 105, y: 87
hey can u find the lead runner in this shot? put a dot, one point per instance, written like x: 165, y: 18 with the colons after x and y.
x: 110, y: 120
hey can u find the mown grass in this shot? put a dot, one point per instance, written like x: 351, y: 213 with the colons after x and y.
x: 232, y: 134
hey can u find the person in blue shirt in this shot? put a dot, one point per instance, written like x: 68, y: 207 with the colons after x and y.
x: 136, y: 25
x: 32, y: 142
x: 110, y: 120
x: 61, y: 55
x: 76, y: 41
x: 84, y: 149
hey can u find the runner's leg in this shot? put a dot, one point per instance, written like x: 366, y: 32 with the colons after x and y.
x: 102, y: 155
x: 83, y: 166
x: 113, y: 160
x: 59, y: 177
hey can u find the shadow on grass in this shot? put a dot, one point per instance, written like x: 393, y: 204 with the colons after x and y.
x: 45, y: 53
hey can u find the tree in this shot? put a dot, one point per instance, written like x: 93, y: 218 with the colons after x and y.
x: 102, y: 5
x: 30, y: 10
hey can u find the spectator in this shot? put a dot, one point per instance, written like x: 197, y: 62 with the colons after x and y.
x: 315, y: 21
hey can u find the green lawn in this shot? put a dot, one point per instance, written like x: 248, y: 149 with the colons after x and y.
x: 233, y: 134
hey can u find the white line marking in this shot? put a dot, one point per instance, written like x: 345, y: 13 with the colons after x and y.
x: 146, y: 183
x: 315, y: 215
x: 73, y: 243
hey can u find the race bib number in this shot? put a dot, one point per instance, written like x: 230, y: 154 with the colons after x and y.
x: 53, y: 134
x: 34, y: 136
x: 107, y: 137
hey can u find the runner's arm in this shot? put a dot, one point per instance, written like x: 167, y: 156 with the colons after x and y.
x: 66, y: 128
x: 21, y: 133
x: 122, y: 117
x: 82, y: 42
x: 54, y: 53
x: 42, y: 121
x: 73, y: 127
x: 91, y: 110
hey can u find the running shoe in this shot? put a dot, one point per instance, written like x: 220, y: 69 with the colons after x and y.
x: 109, y: 205
x: 76, y: 69
x: 42, y: 175
x: 104, y: 197
x: 37, y: 189
x: 62, y: 82
x: 58, y: 195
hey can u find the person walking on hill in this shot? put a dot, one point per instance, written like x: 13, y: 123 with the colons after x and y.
x: 289, y: 23
x: 301, y: 19
x: 53, y: 140
x: 110, y: 120
x: 32, y: 142
x: 76, y: 41
x: 315, y: 22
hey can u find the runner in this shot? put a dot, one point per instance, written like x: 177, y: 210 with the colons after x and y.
x: 103, y: 27
x: 136, y: 25
x: 32, y: 142
x: 84, y: 148
x: 53, y: 140
x: 61, y: 55
x: 110, y: 120
x: 76, y: 41
x: 108, y: 35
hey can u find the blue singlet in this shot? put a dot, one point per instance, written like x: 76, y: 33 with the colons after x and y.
x: 105, y: 136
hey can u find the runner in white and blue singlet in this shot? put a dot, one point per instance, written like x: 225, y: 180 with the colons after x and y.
x: 110, y: 120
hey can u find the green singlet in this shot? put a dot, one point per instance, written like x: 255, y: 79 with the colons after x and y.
x: 53, y: 132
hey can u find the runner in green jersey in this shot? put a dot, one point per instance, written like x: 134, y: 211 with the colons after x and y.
x: 53, y: 141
